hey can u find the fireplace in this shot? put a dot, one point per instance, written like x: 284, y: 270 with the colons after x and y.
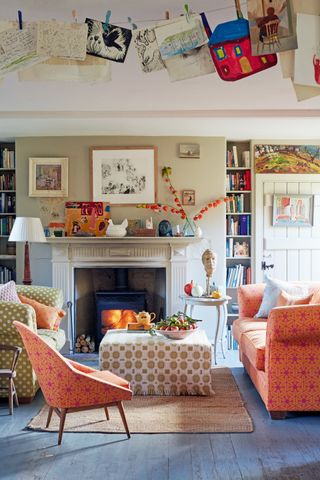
x: 70, y: 255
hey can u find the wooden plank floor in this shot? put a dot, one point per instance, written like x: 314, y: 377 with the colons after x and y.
x: 276, y: 450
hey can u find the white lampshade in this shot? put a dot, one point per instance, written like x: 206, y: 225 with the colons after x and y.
x: 27, y: 229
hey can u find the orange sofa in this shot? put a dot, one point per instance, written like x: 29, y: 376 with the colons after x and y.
x: 281, y: 354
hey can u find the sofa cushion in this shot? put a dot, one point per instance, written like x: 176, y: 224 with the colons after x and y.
x: 285, y: 299
x: 316, y: 297
x: 8, y: 293
x: 47, y: 317
x: 272, y: 291
x: 55, y: 338
x: 243, y: 325
x: 253, y: 344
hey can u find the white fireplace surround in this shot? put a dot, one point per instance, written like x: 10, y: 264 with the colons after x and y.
x: 171, y: 253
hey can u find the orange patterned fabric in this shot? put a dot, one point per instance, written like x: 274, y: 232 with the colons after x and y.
x: 290, y: 381
x: 316, y: 296
x: 249, y: 299
x: 64, y: 384
x: 47, y: 317
x: 253, y: 344
x: 243, y: 325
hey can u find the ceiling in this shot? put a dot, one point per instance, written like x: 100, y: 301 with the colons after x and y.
x: 263, y: 105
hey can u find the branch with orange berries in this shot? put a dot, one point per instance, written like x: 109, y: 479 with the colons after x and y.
x: 178, y: 208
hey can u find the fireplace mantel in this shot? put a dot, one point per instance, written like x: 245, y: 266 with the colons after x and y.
x: 171, y: 253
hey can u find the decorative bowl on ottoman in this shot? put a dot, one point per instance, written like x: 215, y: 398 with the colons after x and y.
x: 177, y: 326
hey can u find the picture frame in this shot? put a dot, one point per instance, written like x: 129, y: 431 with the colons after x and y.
x: 48, y: 177
x: 293, y: 210
x: 188, y: 197
x: 189, y: 150
x: 275, y: 158
x: 124, y: 175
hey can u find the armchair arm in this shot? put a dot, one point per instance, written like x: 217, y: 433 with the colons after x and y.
x: 81, y: 368
x: 9, y: 312
x: 295, y: 323
x: 249, y: 299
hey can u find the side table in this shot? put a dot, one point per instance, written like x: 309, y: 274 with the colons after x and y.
x: 219, y: 304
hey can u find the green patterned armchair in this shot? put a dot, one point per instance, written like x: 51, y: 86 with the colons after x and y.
x: 26, y: 382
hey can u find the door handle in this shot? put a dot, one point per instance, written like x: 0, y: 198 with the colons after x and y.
x: 264, y: 265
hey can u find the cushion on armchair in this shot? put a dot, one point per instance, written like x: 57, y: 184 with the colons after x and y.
x: 47, y: 317
x: 8, y: 293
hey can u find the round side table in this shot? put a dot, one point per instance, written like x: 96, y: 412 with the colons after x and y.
x: 219, y: 304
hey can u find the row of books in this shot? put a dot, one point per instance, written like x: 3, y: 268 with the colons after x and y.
x: 238, y: 180
x: 8, y: 181
x: 6, y: 224
x: 233, y: 160
x: 237, y: 249
x: 237, y: 204
x: 238, y: 275
x: 240, y: 225
x: 7, y: 274
x: 7, y: 202
x: 7, y: 158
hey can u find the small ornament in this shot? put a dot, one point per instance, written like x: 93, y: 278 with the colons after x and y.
x: 197, y: 290
x: 165, y: 229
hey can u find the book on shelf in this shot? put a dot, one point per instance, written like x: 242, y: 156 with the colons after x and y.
x: 236, y: 205
x: 6, y: 224
x: 7, y: 158
x: 7, y: 202
x: 235, y: 156
x: 229, y: 247
x: 231, y: 342
x: 6, y: 274
x: 245, y: 158
x: 240, y: 225
x: 238, y: 275
x: 238, y: 180
x: 7, y: 181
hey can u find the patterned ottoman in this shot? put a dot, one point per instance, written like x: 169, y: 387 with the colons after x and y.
x: 157, y: 365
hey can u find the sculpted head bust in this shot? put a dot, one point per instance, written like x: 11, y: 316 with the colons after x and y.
x: 209, y: 260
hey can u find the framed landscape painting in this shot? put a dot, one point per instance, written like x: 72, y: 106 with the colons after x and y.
x: 287, y: 158
x: 124, y: 175
x: 292, y: 210
x: 48, y: 177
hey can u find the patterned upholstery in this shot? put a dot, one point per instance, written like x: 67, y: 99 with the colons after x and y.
x: 26, y: 382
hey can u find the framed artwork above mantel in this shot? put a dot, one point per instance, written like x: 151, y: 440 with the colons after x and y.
x: 48, y: 177
x: 124, y: 175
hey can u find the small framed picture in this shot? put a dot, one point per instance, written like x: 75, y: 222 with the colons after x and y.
x: 188, y: 197
x: 189, y: 150
x: 293, y: 210
x: 48, y: 177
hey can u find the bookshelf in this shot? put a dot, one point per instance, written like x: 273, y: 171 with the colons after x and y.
x: 7, y: 211
x: 239, y: 222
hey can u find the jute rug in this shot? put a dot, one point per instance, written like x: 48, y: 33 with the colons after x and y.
x: 223, y: 412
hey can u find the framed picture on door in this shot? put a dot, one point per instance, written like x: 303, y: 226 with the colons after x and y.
x: 292, y: 210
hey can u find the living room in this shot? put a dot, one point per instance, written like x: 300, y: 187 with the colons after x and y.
x: 159, y: 247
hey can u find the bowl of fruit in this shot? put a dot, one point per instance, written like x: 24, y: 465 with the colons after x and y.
x: 176, y: 326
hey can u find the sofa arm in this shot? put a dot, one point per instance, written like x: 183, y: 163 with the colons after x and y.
x: 295, y: 323
x: 53, y: 297
x: 249, y: 299
x: 9, y: 312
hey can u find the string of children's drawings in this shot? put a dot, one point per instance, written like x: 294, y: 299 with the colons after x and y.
x: 185, y: 46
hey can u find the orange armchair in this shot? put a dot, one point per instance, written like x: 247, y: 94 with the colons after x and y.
x: 68, y: 386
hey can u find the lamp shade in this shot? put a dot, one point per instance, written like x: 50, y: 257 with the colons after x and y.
x: 27, y: 229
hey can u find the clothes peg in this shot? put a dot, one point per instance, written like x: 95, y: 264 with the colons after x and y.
x: 107, y: 19
x: 132, y: 25
x: 20, y: 19
x: 74, y: 15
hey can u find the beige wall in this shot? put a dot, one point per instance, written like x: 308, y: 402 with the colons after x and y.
x: 206, y: 175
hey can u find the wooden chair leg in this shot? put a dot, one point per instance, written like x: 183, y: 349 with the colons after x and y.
x: 10, y: 393
x: 123, y: 416
x: 107, y: 413
x: 49, y: 416
x: 277, y: 414
x: 63, y: 413
x: 15, y: 394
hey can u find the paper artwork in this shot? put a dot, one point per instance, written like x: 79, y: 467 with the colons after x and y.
x: 108, y: 41
x: 86, y: 219
x: 191, y: 64
x: 180, y: 35
x: 18, y: 48
x: 147, y: 49
x: 65, y: 40
x: 271, y: 26
x: 307, y: 57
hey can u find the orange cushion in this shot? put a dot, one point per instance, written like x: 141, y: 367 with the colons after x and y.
x: 285, y: 299
x: 47, y: 317
x: 315, y: 297
x: 246, y: 324
x: 253, y: 345
x: 107, y: 376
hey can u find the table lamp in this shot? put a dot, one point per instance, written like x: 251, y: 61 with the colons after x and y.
x: 27, y: 229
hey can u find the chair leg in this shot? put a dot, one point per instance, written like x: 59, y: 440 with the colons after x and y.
x: 107, y: 413
x: 123, y: 416
x: 10, y: 393
x: 15, y: 395
x: 49, y: 416
x: 63, y: 414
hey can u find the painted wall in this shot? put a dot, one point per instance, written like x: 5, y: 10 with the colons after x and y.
x: 205, y: 175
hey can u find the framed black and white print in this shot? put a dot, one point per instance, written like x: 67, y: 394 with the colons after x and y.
x: 124, y: 175
x: 108, y: 41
